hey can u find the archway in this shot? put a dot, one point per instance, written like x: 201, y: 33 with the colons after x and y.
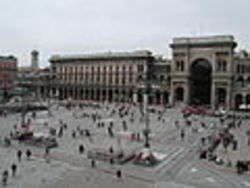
x: 179, y: 94
x: 87, y: 94
x: 110, y: 95
x: 221, y: 96
x: 158, y: 97
x: 200, y: 82
x: 240, y: 82
x: 248, y: 99
x: 60, y: 94
x: 98, y: 95
x: 238, y: 100
x: 81, y: 94
x: 103, y: 95
x: 165, y: 98
x: 70, y: 93
x: 117, y: 96
x: 91, y: 94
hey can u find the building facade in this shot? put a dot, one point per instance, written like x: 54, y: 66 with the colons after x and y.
x: 207, y: 71
x: 8, y: 71
x: 113, y: 77
x: 203, y: 71
x: 241, y: 89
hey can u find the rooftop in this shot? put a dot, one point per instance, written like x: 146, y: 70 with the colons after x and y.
x: 8, y: 58
x: 205, y: 39
x: 105, y: 55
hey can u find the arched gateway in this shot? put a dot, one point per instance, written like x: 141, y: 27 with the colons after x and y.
x: 201, y: 71
x: 200, y: 82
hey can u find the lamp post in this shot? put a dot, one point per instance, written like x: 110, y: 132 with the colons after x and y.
x: 146, y: 92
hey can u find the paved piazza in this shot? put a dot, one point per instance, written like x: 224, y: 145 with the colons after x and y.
x: 66, y: 167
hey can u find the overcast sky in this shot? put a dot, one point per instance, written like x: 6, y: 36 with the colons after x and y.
x: 87, y: 26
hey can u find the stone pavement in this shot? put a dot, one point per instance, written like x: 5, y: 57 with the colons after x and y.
x: 68, y: 167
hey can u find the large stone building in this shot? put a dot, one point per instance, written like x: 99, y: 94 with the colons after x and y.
x: 113, y: 77
x: 203, y: 71
x: 208, y: 71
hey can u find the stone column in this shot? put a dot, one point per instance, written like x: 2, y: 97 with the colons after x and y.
x: 244, y: 100
x: 63, y: 92
x: 213, y: 96
x: 228, y: 97
x: 162, y: 99
x: 186, y: 93
x: 171, y: 95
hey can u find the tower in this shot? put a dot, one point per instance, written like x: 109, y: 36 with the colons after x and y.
x: 34, y: 59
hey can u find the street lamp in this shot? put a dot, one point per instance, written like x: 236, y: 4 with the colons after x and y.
x: 146, y: 92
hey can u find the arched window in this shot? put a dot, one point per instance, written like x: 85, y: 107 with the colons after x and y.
x: 239, y: 82
x: 162, y: 78
x: 238, y: 100
x: 224, y: 66
x: 179, y: 94
x: 130, y: 69
x: 123, y: 68
x: 140, y: 79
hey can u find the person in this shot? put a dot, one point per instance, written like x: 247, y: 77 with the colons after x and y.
x: 110, y: 131
x: 11, y: 134
x: 5, y: 177
x: 73, y: 134
x: 28, y: 154
x: 81, y: 149
x: 124, y: 124
x: 203, y: 139
x: 177, y: 124
x: 182, y: 134
x: 138, y: 138
x: 60, y: 133
x: 19, y: 155
x: 7, y: 141
x: 111, y: 161
x: 47, y: 151
x: 13, y: 168
x: 93, y: 163
x: 118, y: 173
x: 235, y: 144
x: 81, y: 132
x: 111, y: 149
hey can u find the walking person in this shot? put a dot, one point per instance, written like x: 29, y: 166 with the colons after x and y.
x: 19, y: 155
x: 81, y: 149
x: 118, y: 173
x: 13, y: 168
x: 28, y: 154
x: 93, y: 165
x: 47, y: 152
x: 5, y: 176
x: 182, y: 134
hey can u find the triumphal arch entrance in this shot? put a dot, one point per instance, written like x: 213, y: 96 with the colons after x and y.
x: 202, y: 71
